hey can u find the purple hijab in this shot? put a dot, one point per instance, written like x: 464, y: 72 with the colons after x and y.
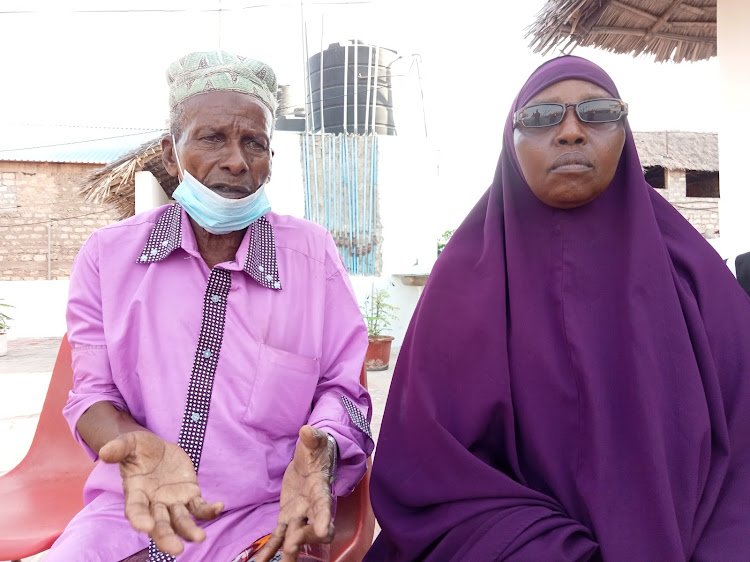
x: 574, y: 384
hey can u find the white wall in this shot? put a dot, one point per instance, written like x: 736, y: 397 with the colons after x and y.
x: 148, y: 192
x: 734, y: 72
x: 39, y: 308
x: 286, y: 190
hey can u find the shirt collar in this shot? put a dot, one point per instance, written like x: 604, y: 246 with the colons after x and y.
x: 260, y: 260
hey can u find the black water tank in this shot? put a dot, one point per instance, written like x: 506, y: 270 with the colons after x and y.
x: 333, y: 88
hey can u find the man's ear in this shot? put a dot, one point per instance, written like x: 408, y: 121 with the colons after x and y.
x: 270, y: 167
x: 168, y: 157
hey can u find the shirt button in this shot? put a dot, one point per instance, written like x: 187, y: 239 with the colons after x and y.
x: 260, y: 268
x: 153, y: 251
x: 276, y: 285
x: 165, y: 243
x: 269, y: 277
x: 207, y: 353
x: 195, y: 417
x: 214, y: 298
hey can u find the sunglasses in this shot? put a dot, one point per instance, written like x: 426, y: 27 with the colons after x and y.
x: 603, y: 110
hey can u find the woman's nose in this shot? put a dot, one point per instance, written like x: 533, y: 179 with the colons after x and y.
x: 571, y: 130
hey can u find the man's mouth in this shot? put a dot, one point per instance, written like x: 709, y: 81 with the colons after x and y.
x: 572, y: 162
x: 230, y: 191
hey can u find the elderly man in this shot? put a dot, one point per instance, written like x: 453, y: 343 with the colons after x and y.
x: 213, y: 341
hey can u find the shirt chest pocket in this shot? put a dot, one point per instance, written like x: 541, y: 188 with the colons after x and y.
x: 282, y: 392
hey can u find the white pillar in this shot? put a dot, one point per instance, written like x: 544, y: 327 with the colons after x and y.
x: 734, y: 72
x: 148, y: 192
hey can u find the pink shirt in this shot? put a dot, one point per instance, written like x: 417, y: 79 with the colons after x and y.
x: 293, y: 347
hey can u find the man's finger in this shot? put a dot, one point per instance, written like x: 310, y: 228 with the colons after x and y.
x: 273, y: 545
x: 295, y: 537
x: 320, y: 513
x: 298, y: 534
x: 204, y: 511
x: 137, y: 510
x: 184, y: 525
x: 163, y: 534
x: 321, y: 525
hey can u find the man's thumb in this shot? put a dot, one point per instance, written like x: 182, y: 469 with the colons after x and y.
x: 117, y: 450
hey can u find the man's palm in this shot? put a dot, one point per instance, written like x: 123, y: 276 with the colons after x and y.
x: 305, y: 514
x: 161, y: 489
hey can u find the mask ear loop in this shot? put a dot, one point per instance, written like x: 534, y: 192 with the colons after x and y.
x: 177, y: 157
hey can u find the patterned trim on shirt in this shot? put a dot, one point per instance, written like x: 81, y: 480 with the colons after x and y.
x: 260, y: 262
x: 356, y: 416
x: 195, y: 418
x: 165, y: 237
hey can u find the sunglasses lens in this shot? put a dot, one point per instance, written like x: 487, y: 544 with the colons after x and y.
x: 600, y: 111
x: 542, y: 115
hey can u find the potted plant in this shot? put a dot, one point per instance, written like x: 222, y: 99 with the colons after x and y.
x: 443, y: 240
x: 4, y: 327
x: 378, y: 314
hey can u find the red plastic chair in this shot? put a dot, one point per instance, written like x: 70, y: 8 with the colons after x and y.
x: 42, y: 494
x: 355, y: 520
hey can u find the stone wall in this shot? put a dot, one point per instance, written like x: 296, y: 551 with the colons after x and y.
x: 43, y: 219
x: 701, y: 212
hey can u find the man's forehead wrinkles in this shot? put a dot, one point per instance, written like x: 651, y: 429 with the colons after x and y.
x: 226, y: 120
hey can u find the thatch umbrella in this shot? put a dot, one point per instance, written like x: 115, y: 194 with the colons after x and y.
x: 670, y: 30
x: 114, y: 184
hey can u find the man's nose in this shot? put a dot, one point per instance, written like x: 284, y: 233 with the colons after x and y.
x: 571, y: 130
x: 234, y: 159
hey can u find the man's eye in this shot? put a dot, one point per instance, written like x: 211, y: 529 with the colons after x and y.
x: 211, y: 138
x: 255, y: 145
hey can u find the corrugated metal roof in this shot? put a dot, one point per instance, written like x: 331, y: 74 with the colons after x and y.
x: 64, y: 143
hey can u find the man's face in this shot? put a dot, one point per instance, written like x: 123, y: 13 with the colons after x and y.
x: 570, y: 164
x: 225, y: 143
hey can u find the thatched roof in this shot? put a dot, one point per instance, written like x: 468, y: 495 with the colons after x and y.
x: 114, y: 184
x: 670, y: 30
x: 677, y: 150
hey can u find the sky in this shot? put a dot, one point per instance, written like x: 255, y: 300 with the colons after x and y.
x: 87, y: 62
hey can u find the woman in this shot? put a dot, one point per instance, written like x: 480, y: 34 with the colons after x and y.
x: 575, y: 382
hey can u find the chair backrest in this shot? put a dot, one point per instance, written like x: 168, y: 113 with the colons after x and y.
x: 355, y: 520
x: 53, y: 446
x: 54, y: 450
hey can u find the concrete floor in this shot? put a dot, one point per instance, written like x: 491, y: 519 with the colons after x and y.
x: 24, y: 376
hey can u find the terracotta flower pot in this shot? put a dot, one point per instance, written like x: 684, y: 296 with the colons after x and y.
x: 378, y: 353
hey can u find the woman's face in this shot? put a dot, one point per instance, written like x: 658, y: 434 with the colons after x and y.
x: 570, y: 164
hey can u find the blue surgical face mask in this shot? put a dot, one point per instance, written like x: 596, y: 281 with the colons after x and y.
x: 217, y: 214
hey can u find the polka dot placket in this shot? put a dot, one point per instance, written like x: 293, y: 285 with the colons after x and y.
x: 202, y: 378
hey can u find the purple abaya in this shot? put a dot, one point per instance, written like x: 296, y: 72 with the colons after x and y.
x: 574, y: 384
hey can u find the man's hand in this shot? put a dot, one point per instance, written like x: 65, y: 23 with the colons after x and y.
x: 305, y: 515
x: 161, y: 489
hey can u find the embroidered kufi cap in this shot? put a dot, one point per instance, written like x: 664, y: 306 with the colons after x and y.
x: 197, y: 73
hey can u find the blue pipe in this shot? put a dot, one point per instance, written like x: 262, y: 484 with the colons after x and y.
x: 305, y: 177
x: 315, y: 174
x: 373, y: 209
x: 334, y: 187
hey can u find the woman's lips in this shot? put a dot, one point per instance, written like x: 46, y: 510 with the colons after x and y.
x: 572, y: 162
